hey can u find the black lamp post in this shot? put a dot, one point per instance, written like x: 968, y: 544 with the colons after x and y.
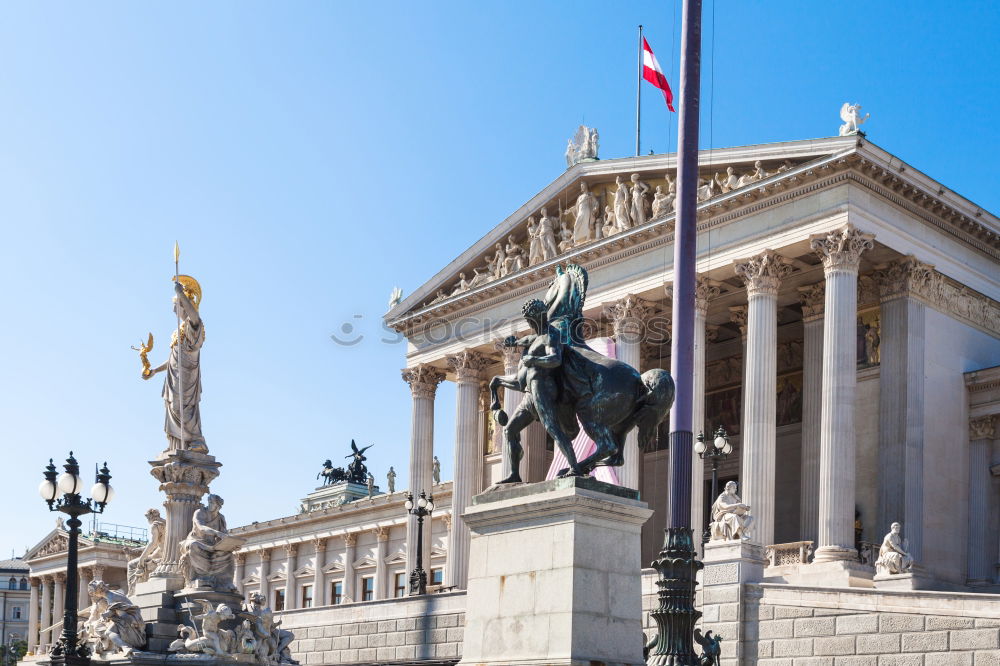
x: 716, y: 453
x: 424, y: 506
x: 69, y: 484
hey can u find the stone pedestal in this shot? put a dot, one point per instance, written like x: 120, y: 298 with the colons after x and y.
x: 834, y: 573
x: 336, y: 494
x: 730, y: 595
x: 554, y: 575
x: 917, y: 579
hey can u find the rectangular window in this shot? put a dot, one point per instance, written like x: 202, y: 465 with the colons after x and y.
x: 437, y: 576
x: 336, y: 592
x: 399, y: 585
x: 307, y: 596
x: 367, y: 588
x: 15, y: 613
x: 279, y: 600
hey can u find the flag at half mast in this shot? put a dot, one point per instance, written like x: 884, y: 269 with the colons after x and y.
x: 651, y: 72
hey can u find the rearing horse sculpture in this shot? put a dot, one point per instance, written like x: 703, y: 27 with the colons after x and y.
x: 564, y: 380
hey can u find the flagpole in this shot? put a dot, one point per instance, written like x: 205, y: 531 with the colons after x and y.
x: 638, y: 94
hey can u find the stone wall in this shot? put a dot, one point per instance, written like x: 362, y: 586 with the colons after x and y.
x: 407, y: 630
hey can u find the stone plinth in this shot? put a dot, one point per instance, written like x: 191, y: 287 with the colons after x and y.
x: 834, y: 573
x: 730, y: 595
x: 554, y: 575
x: 336, y: 494
x: 911, y: 580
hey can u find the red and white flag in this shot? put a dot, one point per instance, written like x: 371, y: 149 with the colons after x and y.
x: 651, y: 72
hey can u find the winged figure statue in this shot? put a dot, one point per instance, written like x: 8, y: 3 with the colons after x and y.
x: 849, y: 113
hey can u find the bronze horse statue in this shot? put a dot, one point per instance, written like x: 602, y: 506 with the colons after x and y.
x: 564, y: 380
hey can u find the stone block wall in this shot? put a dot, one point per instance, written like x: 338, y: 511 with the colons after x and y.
x: 403, y: 630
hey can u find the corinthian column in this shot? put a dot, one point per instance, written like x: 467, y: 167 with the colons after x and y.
x: 45, y: 630
x: 423, y: 381
x: 265, y: 571
x: 840, y: 251
x: 982, y: 431
x: 628, y: 316
x: 32, y: 638
x: 511, y: 399
x: 812, y: 297
x: 291, y: 600
x: 381, y: 552
x: 468, y: 367
x: 58, y: 597
x: 240, y: 571
x: 350, y: 544
x: 901, y: 398
x: 704, y: 291
x: 762, y: 275
x: 320, y: 593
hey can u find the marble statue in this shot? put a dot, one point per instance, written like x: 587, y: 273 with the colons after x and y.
x: 565, y: 238
x: 872, y: 343
x: 436, y: 471
x: 499, y: 262
x: 272, y: 641
x: 463, y: 285
x: 182, y: 385
x: 438, y: 297
x: 663, y: 203
x: 115, y: 624
x: 480, y: 276
x: 534, y: 243
x: 758, y: 173
x: 356, y: 471
x: 706, y: 189
x: 331, y: 474
x: 547, y: 236
x: 637, y: 211
x: 583, y: 146
x: 138, y: 569
x: 852, y: 119
x: 609, y: 228
x: 206, y: 555
x: 370, y: 484
x: 785, y: 166
x: 395, y: 297
x: 515, y: 260
x: 213, y: 639
x: 586, y: 212
x: 731, y: 519
x: 390, y: 480
x: 622, y: 205
x: 892, y: 556
x: 567, y: 384
x: 729, y: 183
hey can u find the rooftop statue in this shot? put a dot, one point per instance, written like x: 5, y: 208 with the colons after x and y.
x: 356, y: 471
x: 182, y: 385
x: 849, y: 113
x: 583, y: 146
x: 331, y: 474
x: 565, y: 380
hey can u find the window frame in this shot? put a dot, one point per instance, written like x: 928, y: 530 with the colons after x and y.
x: 336, y: 598
x: 367, y: 593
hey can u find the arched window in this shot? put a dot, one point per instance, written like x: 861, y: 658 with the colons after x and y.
x: 24, y: 583
x: 12, y: 583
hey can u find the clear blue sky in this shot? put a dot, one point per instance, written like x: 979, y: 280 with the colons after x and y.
x: 311, y: 155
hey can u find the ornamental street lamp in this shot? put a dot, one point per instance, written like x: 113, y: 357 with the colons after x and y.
x: 719, y: 451
x: 424, y: 506
x: 67, y: 651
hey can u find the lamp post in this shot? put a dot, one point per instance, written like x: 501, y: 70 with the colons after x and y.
x: 719, y: 451
x: 424, y: 506
x: 67, y: 651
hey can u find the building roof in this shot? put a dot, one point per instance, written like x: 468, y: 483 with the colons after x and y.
x: 16, y: 564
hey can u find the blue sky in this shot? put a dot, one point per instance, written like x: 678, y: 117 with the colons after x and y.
x: 311, y: 155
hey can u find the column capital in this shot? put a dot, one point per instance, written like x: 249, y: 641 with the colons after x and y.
x: 983, y: 427
x: 319, y: 544
x: 291, y: 549
x: 628, y: 315
x: 35, y: 581
x: 60, y: 576
x: 705, y: 290
x: 99, y: 571
x: 265, y: 555
x: 240, y: 557
x: 47, y: 580
x: 423, y: 380
x: 841, y: 248
x: 511, y: 355
x: 468, y: 365
x: 738, y: 315
x: 905, y: 277
x: 351, y: 539
x: 381, y: 532
x: 762, y: 273
x: 812, y: 297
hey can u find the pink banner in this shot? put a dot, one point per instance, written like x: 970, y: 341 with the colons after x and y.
x: 583, y: 445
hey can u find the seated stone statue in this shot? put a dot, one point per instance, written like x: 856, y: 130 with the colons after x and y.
x: 892, y: 556
x: 271, y: 640
x: 206, y: 555
x: 115, y: 624
x: 140, y: 567
x: 731, y: 519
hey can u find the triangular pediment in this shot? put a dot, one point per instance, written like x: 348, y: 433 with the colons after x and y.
x: 437, y: 551
x: 366, y: 561
x: 277, y: 576
x: 559, y: 197
x: 399, y: 557
x: 333, y: 567
x: 303, y: 572
x: 251, y: 580
x: 54, y: 543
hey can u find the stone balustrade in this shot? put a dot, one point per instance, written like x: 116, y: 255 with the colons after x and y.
x: 794, y: 552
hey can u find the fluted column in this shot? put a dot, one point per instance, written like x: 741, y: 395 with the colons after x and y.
x: 58, y: 599
x: 901, y: 398
x: 350, y: 544
x: 762, y: 275
x: 321, y: 595
x: 704, y: 291
x: 739, y: 315
x: 239, y: 573
x: 84, y: 576
x: 45, y: 624
x: 423, y: 381
x: 629, y: 316
x: 265, y: 571
x: 511, y: 399
x: 982, y: 432
x: 841, y: 254
x: 381, y: 552
x: 291, y: 600
x: 33, y: 613
x: 812, y: 298
x: 468, y: 367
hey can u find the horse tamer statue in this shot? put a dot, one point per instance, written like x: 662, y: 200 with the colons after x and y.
x: 564, y: 380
